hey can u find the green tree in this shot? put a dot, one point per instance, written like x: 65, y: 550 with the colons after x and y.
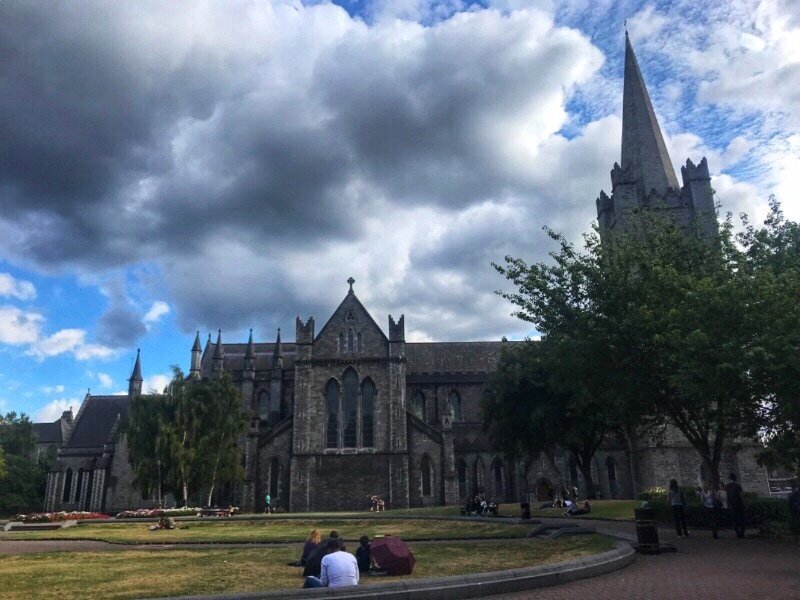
x: 2, y: 465
x: 225, y: 424
x: 16, y: 434
x: 684, y: 326
x: 147, y: 450
x: 525, y: 414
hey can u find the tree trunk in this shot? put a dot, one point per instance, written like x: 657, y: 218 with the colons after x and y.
x: 214, y: 471
x: 160, y: 496
x: 586, y: 471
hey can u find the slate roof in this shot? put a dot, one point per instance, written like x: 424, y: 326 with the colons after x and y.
x: 453, y: 357
x: 96, y: 420
x: 48, y: 433
x: 234, y: 357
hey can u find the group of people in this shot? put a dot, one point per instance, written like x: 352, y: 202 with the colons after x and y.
x: 376, y: 504
x: 728, y: 499
x: 326, y: 563
x: 479, y: 507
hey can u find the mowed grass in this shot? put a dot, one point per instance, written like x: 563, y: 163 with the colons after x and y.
x: 276, y: 530
x: 618, y: 510
x: 601, y: 509
x: 153, y: 573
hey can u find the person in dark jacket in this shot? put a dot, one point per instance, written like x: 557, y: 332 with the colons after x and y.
x: 364, y: 554
x: 312, y: 543
x: 736, y: 505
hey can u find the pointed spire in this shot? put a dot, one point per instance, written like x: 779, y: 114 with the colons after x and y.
x: 218, y: 354
x: 277, y: 353
x: 251, y: 351
x: 136, y: 375
x: 196, y: 347
x: 644, y: 154
x: 208, y: 345
x: 135, y: 382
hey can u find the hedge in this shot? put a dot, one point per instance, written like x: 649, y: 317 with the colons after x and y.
x: 758, y: 512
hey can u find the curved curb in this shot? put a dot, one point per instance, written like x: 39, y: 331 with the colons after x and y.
x: 458, y: 586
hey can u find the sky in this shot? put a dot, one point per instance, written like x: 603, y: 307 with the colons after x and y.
x: 173, y: 167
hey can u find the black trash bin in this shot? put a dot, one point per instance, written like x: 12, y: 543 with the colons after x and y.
x: 526, y: 510
x: 646, y: 530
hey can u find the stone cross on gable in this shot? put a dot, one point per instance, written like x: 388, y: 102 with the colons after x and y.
x: 351, y: 281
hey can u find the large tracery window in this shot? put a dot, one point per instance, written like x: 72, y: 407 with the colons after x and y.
x: 350, y: 409
x: 332, y: 414
x: 350, y: 415
x: 367, y: 408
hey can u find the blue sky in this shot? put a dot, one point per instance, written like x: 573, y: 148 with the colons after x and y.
x: 230, y: 165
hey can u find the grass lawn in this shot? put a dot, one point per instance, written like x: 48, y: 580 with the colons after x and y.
x: 276, y: 530
x: 147, y: 573
x: 601, y: 509
x: 619, y: 510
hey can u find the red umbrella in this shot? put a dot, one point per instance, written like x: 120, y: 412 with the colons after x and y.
x: 392, y: 553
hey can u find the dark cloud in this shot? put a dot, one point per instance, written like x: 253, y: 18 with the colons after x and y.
x: 259, y: 161
x: 121, y: 325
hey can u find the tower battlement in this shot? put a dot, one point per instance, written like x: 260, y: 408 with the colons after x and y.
x: 397, y: 330
x: 304, y: 331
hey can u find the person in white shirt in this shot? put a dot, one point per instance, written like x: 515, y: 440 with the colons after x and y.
x: 338, y: 568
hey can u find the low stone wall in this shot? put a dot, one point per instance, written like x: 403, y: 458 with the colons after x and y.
x: 459, y: 586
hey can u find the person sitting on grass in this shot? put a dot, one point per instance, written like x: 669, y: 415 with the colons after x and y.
x: 164, y: 522
x: 338, y: 568
x: 492, y: 507
x: 574, y: 511
x: 313, y: 566
x: 312, y: 543
x: 364, y: 554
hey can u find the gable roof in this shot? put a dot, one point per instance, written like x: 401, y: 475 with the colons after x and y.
x: 453, y: 357
x: 96, y: 419
x: 351, y: 298
x: 48, y: 433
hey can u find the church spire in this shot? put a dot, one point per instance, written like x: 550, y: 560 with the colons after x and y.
x: 250, y: 354
x: 219, y: 354
x: 135, y: 382
x: 644, y: 154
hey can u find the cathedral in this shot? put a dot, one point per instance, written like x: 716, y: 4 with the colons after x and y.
x: 352, y: 410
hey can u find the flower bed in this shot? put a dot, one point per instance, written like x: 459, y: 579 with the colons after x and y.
x: 151, y: 513
x: 55, y: 517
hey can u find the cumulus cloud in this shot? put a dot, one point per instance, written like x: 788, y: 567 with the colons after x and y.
x: 157, y: 310
x: 156, y: 383
x: 258, y: 154
x: 16, y: 288
x: 105, y: 380
x: 53, y: 389
x: 53, y: 409
x: 68, y: 341
x: 18, y: 326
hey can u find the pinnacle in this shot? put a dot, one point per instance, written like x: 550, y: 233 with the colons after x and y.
x: 643, y: 149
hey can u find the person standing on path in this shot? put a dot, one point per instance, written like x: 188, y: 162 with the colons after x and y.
x: 736, y: 505
x: 712, y: 505
x: 677, y: 501
x: 267, y: 502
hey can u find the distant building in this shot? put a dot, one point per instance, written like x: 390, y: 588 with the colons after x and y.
x: 349, y: 411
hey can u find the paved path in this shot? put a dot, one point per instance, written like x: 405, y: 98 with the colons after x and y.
x: 701, y: 569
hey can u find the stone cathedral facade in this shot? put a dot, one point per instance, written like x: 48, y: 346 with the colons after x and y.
x: 352, y: 410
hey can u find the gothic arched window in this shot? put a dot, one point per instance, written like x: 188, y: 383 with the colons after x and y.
x: 461, y: 469
x: 78, y: 485
x: 426, y: 475
x: 455, y: 406
x: 263, y: 404
x: 367, y: 413
x: 478, y: 476
x: 418, y: 405
x: 360, y: 342
x: 350, y: 409
x: 67, y: 486
x: 332, y: 414
x: 341, y: 343
x: 350, y: 346
x: 499, y: 478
